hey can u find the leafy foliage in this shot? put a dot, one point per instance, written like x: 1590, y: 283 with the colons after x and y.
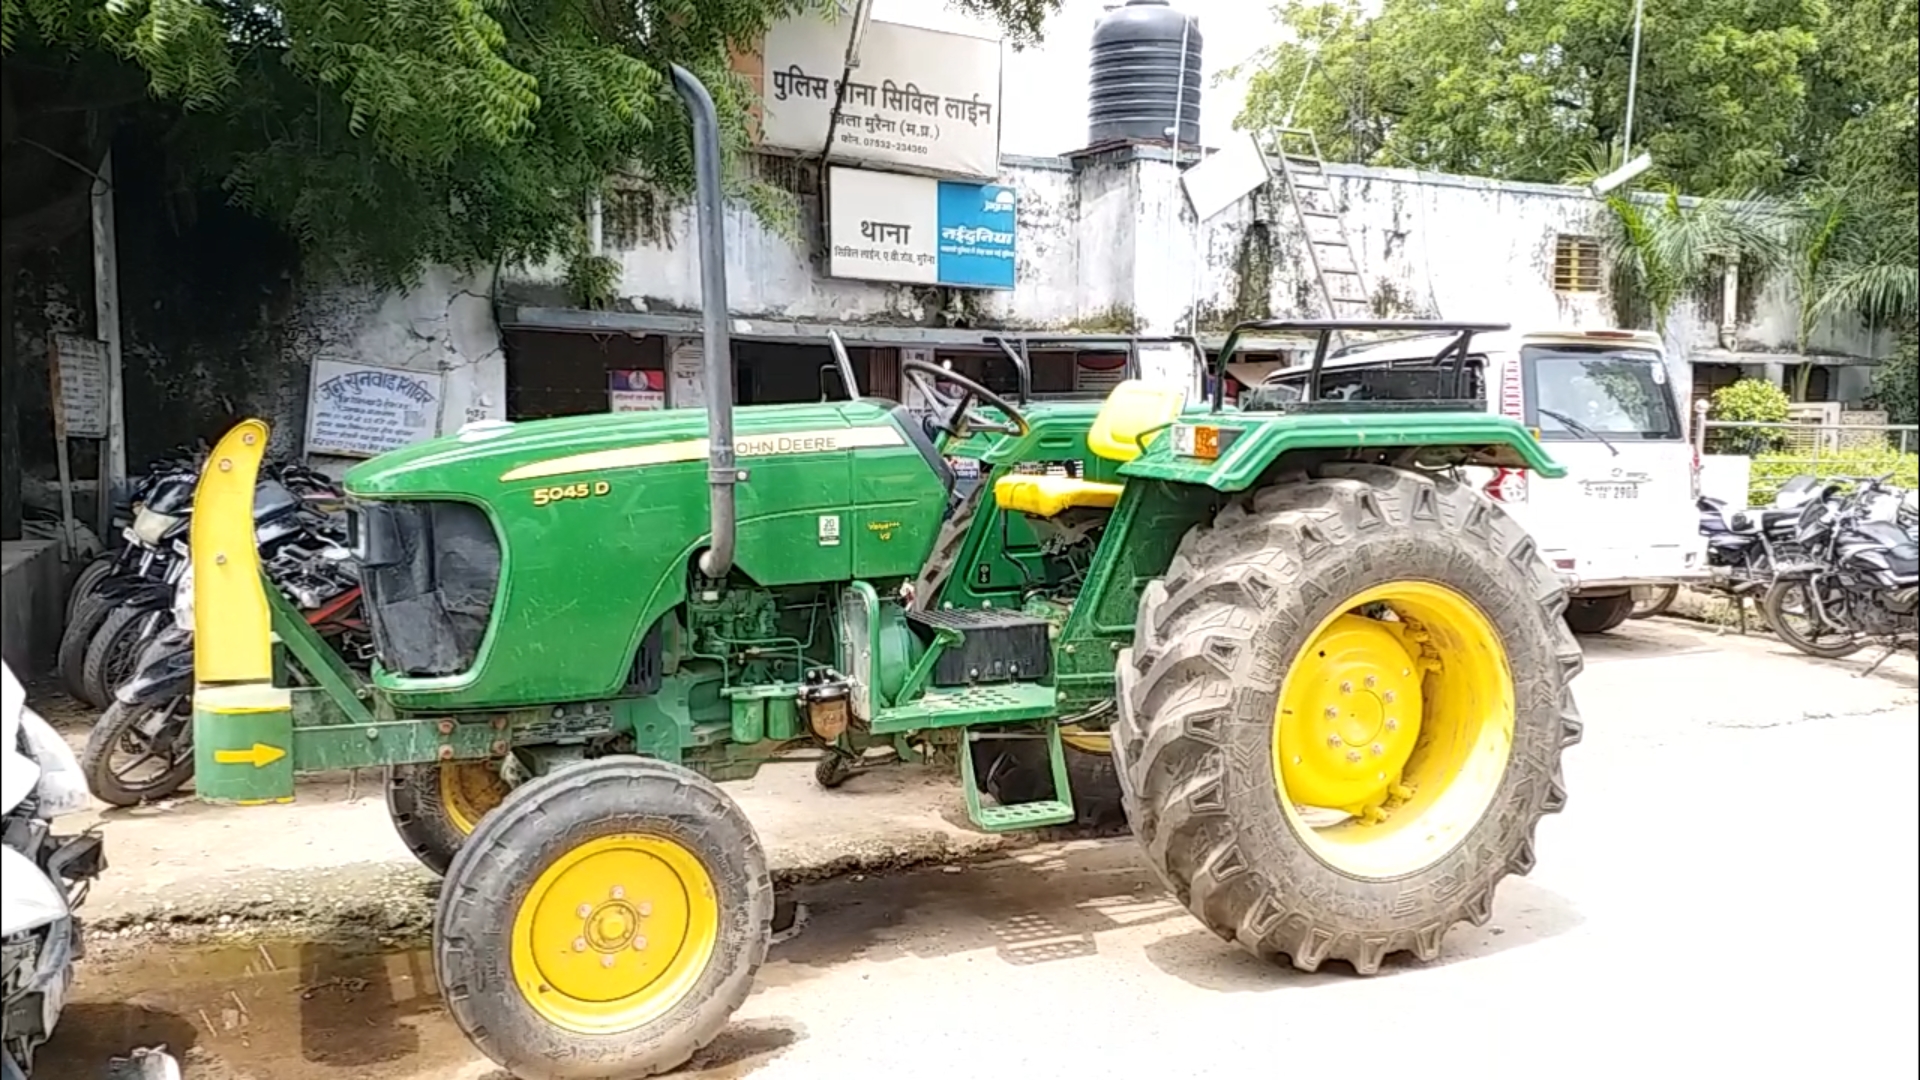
x: 1662, y: 248
x: 1770, y: 472
x: 1897, y: 384
x: 1754, y: 401
x: 392, y: 134
x: 1521, y: 89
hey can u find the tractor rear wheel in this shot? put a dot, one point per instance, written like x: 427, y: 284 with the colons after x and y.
x: 435, y: 808
x: 1342, y: 715
x: 606, y: 920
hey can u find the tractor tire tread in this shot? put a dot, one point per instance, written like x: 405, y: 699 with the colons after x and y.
x: 541, y: 820
x: 419, y: 815
x: 1192, y: 741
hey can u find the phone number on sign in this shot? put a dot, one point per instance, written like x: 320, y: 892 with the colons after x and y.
x: 886, y: 144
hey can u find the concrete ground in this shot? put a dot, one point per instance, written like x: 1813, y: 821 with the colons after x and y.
x: 1733, y: 890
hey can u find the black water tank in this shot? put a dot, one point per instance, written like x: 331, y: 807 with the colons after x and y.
x: 1146, y: 66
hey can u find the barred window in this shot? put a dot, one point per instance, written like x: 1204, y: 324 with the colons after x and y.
x: 1576, y: 265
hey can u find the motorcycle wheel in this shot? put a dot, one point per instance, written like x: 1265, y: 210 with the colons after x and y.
x: 95, y: 572
x: 85, y: 622
x: 114, y: 652
x: 1786, y: 613
x: 139, y: 753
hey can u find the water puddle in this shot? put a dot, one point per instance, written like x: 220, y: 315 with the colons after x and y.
x: 293, y: 1011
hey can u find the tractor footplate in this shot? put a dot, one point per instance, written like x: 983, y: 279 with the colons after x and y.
x: 1028, y: 815
x: 995, y: 646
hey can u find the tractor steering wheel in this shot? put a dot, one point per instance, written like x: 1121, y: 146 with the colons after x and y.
x: 962, y: 419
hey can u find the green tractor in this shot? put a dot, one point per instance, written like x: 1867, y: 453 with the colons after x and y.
x: 1328, y: 680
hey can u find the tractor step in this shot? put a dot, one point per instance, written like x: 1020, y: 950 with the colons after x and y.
x: 958, y: 706
x: 1028, y: 815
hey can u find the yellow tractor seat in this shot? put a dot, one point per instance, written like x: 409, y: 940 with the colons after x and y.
x: 1133, y: 414
x: 1048, y: 496
x: 1135, y: 411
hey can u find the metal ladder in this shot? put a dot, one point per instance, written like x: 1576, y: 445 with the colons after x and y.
x: 1334, y: 262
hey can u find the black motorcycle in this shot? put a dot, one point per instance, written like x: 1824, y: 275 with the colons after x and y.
x: 1856, y: 583
x: 1744, y: 546
x: 142, y: 563
x: 141, y: 748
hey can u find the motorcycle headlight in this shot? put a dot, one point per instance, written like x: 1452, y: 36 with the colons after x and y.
x: 150, y: 526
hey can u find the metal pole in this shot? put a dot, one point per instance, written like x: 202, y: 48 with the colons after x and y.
x: 1633, y: 82
x: 722, y: 471
x: 112, y: 470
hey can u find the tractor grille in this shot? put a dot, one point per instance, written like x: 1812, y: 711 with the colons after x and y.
x: 431, y: 571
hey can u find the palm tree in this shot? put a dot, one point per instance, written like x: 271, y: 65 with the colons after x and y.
x: 1661, y: 246
x: 1852, y: 251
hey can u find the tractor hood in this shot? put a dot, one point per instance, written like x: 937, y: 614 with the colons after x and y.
x: 482, y: 458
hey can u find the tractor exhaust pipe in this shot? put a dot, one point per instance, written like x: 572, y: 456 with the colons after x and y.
x: 722, y: 472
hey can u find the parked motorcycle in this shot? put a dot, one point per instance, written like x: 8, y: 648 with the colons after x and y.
x: 127, y: 606
x: 1744, y: 546
x: 142, y: 747
x: 1858, y: 579
x: 161, y: 501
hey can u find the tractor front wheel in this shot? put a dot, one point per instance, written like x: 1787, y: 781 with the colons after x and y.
x: 605, y: 921
x: 435, y: 808
x: 1343, y: 712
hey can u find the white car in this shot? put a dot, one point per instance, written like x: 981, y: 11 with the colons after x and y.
x: 1603, y: 405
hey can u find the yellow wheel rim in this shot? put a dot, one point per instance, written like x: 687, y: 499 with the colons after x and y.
x: 615, y: 933
x: 1394, y: 728
x: 468, y: 790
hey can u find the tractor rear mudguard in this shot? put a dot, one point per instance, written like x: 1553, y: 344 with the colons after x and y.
x: 1249, y: 443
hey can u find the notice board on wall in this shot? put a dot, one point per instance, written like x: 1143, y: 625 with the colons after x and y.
x: 358, y: 410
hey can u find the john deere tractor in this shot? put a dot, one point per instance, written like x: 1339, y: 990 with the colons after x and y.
x: 1331, y: 679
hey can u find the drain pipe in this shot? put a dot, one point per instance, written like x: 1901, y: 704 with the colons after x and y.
x: 722, y: 472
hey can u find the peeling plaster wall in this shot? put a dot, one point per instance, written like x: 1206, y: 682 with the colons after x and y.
x: 444, y: 324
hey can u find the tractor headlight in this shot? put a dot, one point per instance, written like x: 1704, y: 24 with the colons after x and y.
x: 150, y: 526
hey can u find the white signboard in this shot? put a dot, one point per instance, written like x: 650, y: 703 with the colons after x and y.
x: 883, y: 227
x: 83, y: 385
x: 921, y: 99
x: 686, y: 371
x: 357, y: 410
x: 1225, y: 176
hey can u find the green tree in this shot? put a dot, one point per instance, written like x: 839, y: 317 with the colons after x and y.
x: 390, y: 134
x: 1660, y: 248
x: 1522, y: 89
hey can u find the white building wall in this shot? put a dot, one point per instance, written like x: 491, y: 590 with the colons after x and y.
x: 1106, y: 243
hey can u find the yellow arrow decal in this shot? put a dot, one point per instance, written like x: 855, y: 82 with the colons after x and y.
x: 259, y: 756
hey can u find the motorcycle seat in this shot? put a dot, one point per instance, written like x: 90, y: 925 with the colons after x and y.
x: 1774, y: 519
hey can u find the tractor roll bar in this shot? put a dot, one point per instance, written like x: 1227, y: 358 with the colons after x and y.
x: 843, y: 363
x: 722, y: 470
x: 1323, y: 331
x: 1022, y: 363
